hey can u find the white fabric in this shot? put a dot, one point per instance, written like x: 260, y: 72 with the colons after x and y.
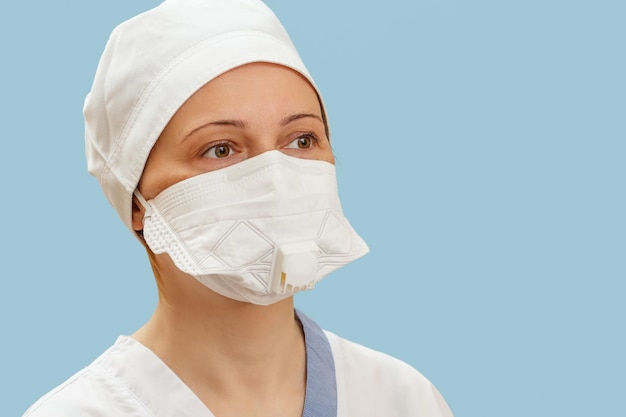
x: 153, y: 63
x: 257, y: 231
x: 373, y: 384
x: 129, y: 380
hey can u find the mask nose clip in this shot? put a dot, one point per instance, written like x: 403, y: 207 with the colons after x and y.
x: 295, y: 267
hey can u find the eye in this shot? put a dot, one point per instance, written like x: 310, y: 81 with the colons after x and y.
x: 305, y: 141
x: 221, y: 150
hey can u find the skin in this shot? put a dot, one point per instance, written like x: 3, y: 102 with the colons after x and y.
x: 239, y: 359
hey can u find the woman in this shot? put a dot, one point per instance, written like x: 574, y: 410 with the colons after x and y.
x: 210, y: 139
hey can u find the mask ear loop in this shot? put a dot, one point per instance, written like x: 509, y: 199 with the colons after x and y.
x: 144, y: 203
x: 153, y: 263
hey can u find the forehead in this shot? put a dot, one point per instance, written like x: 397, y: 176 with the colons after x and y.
x: 254, y: 90
x: 253, y: 81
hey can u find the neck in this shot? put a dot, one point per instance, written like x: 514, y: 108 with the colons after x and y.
x: 225, y: 348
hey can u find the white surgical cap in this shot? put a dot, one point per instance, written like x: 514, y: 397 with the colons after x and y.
x: 153, y: 63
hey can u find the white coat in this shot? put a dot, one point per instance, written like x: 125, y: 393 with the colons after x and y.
x: 344, y: 379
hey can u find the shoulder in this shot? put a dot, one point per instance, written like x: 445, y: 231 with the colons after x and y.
x: 374, y: 383
x: 92, y: 392
x: 349, y: 354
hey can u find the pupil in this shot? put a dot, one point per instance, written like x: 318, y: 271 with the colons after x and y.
x: 222, y: 151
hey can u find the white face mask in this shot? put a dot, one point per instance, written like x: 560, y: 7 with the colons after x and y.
x: 257, y: 231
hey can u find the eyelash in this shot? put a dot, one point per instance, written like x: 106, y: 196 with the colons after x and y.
x: 227, y: 144
x: 308, y: 135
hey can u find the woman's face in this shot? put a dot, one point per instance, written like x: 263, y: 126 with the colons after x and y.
x: 240, y: 114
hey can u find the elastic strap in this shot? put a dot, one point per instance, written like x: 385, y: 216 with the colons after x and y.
x: 144, y: 203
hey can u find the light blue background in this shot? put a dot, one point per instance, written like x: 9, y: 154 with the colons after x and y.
x: 480, y: 149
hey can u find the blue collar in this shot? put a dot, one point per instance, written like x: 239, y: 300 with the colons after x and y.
x: 321, y: 384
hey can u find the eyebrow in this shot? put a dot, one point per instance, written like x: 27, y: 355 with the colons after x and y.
x: 227, y: 122
x: 286, y: 120
x: 242, y: 124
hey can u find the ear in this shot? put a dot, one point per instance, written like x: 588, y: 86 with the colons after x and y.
x: 138, y: 212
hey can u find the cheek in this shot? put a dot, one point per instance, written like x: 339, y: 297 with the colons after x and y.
x: 327, y: 153
x: 159, y: 176
x: 167, y: 165
x: 329, y: 157
x: 322, y: 153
